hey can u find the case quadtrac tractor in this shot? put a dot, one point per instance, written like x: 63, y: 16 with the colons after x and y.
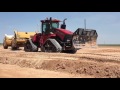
x: 58, y: 39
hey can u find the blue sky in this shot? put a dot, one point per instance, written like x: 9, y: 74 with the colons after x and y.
x: 107, y: 24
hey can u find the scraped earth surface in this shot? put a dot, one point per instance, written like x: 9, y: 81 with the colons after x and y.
x: 100, y: 62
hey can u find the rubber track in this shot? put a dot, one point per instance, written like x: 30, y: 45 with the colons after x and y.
x: 34, y: 47
x: 56, y: 44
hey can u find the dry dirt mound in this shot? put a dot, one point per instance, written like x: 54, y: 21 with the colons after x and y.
x: 76, y: 66
x: 99, y: 62
x: 14, y: 71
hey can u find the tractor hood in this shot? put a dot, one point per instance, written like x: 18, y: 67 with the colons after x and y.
x: 64, y: 31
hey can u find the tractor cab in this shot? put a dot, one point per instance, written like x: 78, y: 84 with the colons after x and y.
x: 48, y: 25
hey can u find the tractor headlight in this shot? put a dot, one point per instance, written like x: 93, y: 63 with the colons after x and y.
x: 68, y: 40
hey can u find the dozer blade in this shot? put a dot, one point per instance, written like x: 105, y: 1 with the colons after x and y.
x: 86, y: 37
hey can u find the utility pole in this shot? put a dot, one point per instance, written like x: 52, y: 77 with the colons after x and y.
x: 85, y: 23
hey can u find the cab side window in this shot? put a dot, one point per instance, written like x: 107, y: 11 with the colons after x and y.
x: 44, y: 27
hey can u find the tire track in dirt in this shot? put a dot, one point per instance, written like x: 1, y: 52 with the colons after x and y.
x: 82, y: 56
x: 88, y: 56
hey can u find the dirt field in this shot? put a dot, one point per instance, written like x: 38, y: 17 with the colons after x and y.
x: 101, y: 62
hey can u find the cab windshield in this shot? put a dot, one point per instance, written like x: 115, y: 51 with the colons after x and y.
x: 55, y: 24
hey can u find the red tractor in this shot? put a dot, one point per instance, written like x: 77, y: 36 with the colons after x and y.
x: 55, y: 39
